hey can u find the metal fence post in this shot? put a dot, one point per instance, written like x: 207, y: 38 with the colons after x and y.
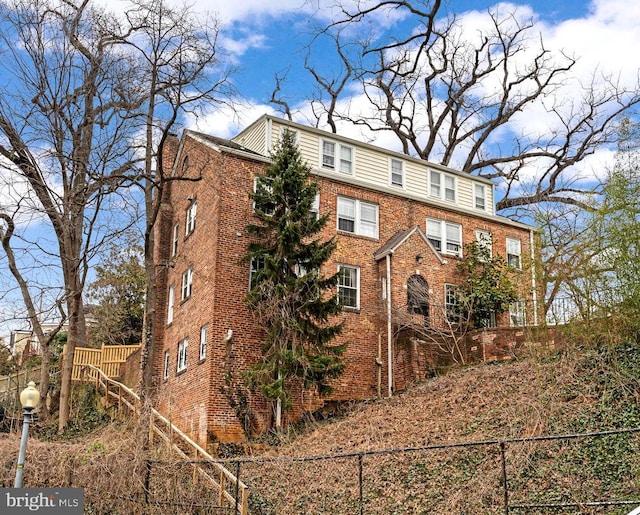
x: 505, y: 482
x: 360, y: 459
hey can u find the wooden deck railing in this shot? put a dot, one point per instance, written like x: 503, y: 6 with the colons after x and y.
x: 232, y: 491
x: 107, y: 358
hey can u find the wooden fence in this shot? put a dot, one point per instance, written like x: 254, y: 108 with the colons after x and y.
x: 108, y: 358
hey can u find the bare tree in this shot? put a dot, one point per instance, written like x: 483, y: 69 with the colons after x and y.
x: 33, y: 313
x: 181, y: 72
x: 90, y: 85
x: 449, y: 96
x: 64, y: 125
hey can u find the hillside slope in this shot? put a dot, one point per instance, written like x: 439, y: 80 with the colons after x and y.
x: 569, y: 392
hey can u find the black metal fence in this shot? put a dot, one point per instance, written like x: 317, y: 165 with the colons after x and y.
x: 573, y: 473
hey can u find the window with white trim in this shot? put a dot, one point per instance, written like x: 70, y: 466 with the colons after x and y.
x: 165, y: 374
x: 187, y: 280
x: 174, y: 240
x: 480, y: 196
x: 452, y: 304
x: 170, y: 304
x: 190, y: 223
x: 349, y: 286
x: 262, y: 184
x: 336, y: 156
x: 182, y: 355
x: 255, y: 265
x: 434, y: 184
x: 357, y: 217
x: 396, y: 173
x: 517, y: 313
x: 514, y: 253
x: 442, y: 186
x: 449, y: 188
x: 446, y: 237
x: 204, y: 331
x: 314, y: 212
x: 484, y: 239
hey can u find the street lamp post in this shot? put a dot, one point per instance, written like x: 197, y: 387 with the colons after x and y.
x: 29, y: 398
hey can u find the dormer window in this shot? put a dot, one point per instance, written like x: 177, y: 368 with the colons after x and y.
x: 480, y: 196
x: 396, y: 173
x: 336, y: 156
x: 442, y: 186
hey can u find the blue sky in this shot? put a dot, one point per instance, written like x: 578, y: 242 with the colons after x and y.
x: 264, y: 37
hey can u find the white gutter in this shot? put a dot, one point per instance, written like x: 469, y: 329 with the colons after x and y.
x: 533, y: 278
x: 389, y: 332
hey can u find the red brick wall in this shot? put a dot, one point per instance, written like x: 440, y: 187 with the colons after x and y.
x: 194, y: 398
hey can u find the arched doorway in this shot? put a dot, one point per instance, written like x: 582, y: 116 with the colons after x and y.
x: 418, y: 296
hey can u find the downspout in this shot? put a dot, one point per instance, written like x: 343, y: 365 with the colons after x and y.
x: 267, y: 137
x: 389, y: 332
x: 533, y: 278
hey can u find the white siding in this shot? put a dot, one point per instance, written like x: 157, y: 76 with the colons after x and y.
x: 464, y: 195
x: 370, y: 165
x: 254, y: 137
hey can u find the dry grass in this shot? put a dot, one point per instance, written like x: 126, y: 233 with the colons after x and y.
x: 531, y: 397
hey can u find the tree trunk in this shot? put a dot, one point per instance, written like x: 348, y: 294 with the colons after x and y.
x: 76, y: 336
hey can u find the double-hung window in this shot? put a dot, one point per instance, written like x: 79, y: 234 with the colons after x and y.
x: 357, y: 217
x: 517, y: 313
x: 396, y: 173
x: 174, y: 240
x: 349, y: 286
x: 434, y: 184
x: 165, y: 374
x: 442, y: 186
x: 256, y: 265
x: 190, y: 224
x: 187, y: 280
x: 452, y: 304
x: 182, y: 355
x: 170, y: 304
x: 514, y: 253
x: 449, y: 188
x: 314, y: 212
x: 480, y: 196
x: 484, y: 240
x: 336, y: 156
x: 446, y: 237
x: 204, y: 331
x: 264, y: 186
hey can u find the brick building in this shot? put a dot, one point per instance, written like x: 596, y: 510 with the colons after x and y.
x: 400, y: 222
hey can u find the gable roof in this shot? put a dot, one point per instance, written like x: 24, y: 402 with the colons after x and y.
x: 393, y: 243
x: 226, y: 145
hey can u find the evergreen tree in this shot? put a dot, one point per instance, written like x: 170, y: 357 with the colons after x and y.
x: 288, y: 295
